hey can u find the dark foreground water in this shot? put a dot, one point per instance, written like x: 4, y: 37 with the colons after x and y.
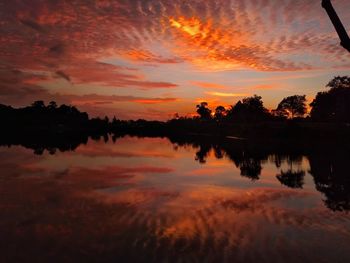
x: 150, y: 200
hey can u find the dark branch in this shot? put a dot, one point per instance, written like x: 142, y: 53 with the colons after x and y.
x: 343, y: 35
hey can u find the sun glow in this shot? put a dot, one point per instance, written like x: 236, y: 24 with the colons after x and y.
x: 192, y: 26
x: 205, y: 44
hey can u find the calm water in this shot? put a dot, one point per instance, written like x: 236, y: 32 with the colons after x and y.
x: 151, y: 200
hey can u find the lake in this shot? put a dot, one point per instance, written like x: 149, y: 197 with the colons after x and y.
x: 165, y: 200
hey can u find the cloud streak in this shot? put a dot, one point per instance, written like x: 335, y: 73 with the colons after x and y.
x: 222, y: 94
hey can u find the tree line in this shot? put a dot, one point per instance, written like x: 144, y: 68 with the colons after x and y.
x: 41, y: 118
x: 331, y: 105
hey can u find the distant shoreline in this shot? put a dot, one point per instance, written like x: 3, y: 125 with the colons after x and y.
x: 40, y: 122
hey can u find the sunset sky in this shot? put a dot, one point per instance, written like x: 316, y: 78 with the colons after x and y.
x: 154, y: 58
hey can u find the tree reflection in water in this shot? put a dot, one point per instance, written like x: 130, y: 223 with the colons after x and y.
x: 292, y: 179
x: 329, y: 164
x: 330, y: 171
x: 111, y: 205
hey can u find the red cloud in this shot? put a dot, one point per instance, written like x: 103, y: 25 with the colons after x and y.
x: 67, y: 40
x: 53, y: 34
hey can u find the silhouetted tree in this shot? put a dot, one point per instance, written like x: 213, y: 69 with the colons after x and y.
x: 249, y: 109
x: 219, y: 112
x: 42, y: 119
x: 281, y: 114
x: 333, y: 105
x: 254, y: 103
x: 64, y: 109
x: 292, y: 106
x: 39, y: 104
x: 203, y: 111
x: 52, y: 105
x: 339, y: 82
x: 114, y: 121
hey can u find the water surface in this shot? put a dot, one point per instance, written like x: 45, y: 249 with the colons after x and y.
x: 153, y: 200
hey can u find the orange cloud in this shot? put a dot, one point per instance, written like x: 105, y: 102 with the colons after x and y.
x: 221, y: 94
x: 155, y: 101
x: 105, y: 99
x: 110, y: 75
x: 192, y: 27
x: 202, y: 40
x: 265, y: 87
x: 211, y: 46
x: 147, y: 56
x: 208, y: 85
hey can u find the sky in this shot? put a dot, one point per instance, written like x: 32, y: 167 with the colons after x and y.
x: 151, y: 59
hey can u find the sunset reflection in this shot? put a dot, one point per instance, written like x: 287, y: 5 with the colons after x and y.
x: 156, y: 199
